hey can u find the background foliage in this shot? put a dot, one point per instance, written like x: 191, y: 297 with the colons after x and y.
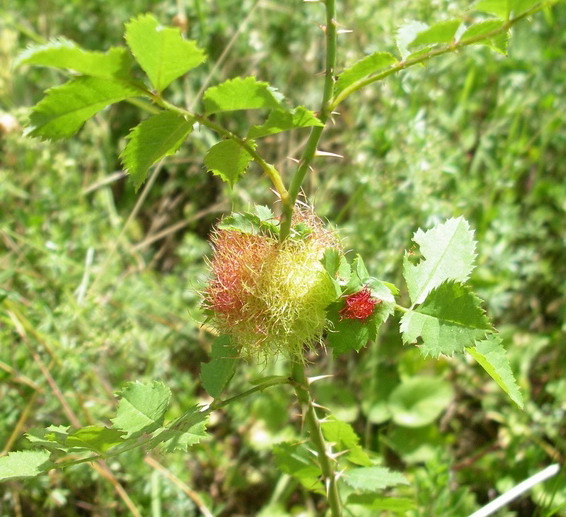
x: 100, y: 286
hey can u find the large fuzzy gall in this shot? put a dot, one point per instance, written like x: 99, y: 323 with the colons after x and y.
x: 270, y: 297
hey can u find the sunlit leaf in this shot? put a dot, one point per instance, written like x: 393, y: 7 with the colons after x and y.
x: 156, y: 137
x: 367, y: 66
x: 240, y: 93
x: 65, y: 108
x: 24, y: 464
x: 449, y: 320
x: 142, y: 407
x: 448, y: 252
x: 442, y: 32
x: 491, y: 355
x: 281, y: 120
x: 229, y: 160
x: 161, y: 51
x: 63, y: 53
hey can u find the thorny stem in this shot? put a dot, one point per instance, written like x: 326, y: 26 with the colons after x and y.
x: 329, y: 474
x: 402, y: 65
x: 316, y: 132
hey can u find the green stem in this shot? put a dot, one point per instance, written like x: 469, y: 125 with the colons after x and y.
x: 324, y: 452
x: 453, y: 47
x: 316, y: 132
x: 270, y: 171
x: 400, y: 308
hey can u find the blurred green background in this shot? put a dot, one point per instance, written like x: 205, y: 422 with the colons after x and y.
x: 100, y: 285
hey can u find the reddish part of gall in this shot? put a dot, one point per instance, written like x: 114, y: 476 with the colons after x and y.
x: 359, y: 306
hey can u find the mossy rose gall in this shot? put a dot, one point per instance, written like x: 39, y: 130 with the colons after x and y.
x: 270, y: 296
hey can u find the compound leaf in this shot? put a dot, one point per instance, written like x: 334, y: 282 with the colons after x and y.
x: 24, y: 464
x: 66, y: 54
x: 142, y: 407
x: 240, y: 93
x: 448, y: 252
x: 65, y: 108
x: 491, y: 355
x: 156, y: 137
x: 162, y: 52
x: 228, y: 160
x: 367, y: 66
x: 450, y: 319
x: 281, y: 120
x: 216, y: 374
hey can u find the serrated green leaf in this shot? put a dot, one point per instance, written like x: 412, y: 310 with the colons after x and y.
x: 295, y: 460
x: 350, y: 334
x: 442, y: 32
x: 264, y: 213
x: 142, y: 407
x: 65, y: 108
x: 228, y: 160
x: 63, y: 53
x: 24, y: 464
x: 344, y: 438
x: 162, y: 52
x: 372, y: 479
x: 390, y: 504
x: 52, y: 438
x: 95, y: 438
x: 520, y: 6
x: 500, y: 8
x: 481, y: 29
x: 406, y: 34
x: 367, y: 66
x: 419, y: 401
x: 280, y: 120
x: 156, y: 137
x: 182, y: 439
x: 490, y: 354
x: 187, y: 430
x: 216, y: 374
x: 449, y: 320
x: 448, y: 252
x: 240, y: 93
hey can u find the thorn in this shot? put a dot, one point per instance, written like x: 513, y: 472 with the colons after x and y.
x: 312, y: 380
x: 314, y: 404
x: 344, y: 31
x: 293, y: 159
x: 322, y: 28
x: 324, y: 153
x: 335, y: 113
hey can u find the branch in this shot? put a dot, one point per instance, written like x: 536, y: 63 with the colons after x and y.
x: 452, y: 47
x: 316, y: 132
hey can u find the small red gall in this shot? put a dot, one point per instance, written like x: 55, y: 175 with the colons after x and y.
x: 359, y: 306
